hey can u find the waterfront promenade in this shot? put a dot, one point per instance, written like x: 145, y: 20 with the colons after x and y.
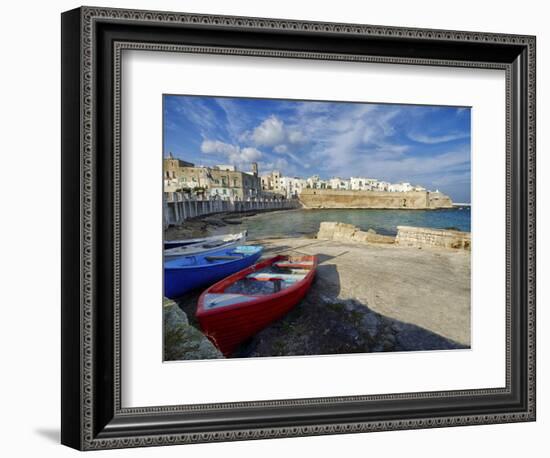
x: 178, y: 208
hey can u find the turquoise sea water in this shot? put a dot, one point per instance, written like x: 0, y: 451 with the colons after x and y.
x: 306, y: 222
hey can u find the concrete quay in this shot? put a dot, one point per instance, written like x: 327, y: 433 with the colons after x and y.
x: 425, y: 287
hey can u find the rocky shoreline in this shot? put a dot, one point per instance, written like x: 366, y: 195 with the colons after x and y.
x: 181, y: 339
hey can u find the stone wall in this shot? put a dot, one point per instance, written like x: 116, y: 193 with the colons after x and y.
x: 350, y: 233
x: 427, y: 237
x: 327, y: 198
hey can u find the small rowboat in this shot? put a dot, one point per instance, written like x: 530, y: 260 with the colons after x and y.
x: 183, y: 242
x: 178, y: 248
x: 186, y: 273
x: 236, y: 308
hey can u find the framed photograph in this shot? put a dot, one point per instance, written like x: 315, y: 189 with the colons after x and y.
x: 277, y: 228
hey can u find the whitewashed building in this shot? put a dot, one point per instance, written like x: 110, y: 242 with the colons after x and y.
x: 339, y: 184
x: 383, y: 186
x: 292, y: 186
x: 363, y: 184
x: 400, y: 187
x: 315, y: 182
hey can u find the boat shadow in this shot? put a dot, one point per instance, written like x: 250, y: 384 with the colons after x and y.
x: 320, y: 327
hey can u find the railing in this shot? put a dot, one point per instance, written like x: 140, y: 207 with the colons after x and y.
x: 179, y: 207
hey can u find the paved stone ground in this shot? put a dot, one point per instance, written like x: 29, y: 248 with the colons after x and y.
x: 427, y: 287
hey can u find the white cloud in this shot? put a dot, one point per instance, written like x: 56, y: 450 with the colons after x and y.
x: 248, y: 155
x: 270, y: 132
x: 430, y: 140
x: 196, y: 111
x: 218, y: 147
x: 393, y: 149
x: 233, y: 153
x: 236, y: 119
x: 296, y: 137
x: 421, y: 170
x: 273, y: 132
x: 280, y: 149
x: 339, y: 136
x: 280, y: 164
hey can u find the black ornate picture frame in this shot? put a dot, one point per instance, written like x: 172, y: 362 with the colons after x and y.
x: 92, y: 42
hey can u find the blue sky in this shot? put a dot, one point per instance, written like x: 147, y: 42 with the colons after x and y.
x: 425, y: 145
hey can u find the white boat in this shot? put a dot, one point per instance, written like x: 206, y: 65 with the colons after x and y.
x: 181, y: 242
x: 205, y: 245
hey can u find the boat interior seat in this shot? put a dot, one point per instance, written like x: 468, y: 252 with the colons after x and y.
x: 271, y: 276
x: 297, y: 265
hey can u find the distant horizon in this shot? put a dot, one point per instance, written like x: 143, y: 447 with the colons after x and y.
x: 423, y: 145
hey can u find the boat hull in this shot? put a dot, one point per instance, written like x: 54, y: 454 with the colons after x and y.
x: 201, y: 246
x: 178, y: 281
x: 227, y: 327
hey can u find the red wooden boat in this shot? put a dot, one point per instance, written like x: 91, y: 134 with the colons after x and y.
x: 244, y: 303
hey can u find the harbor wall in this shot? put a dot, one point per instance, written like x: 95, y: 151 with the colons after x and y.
x: 328, y: 198
x: 178, y: 208
x: 343, y: 232
x: 438, y: 238
x: 418, y: 237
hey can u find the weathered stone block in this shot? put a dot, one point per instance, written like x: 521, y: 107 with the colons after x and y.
x: 361, y: 237
x: 427, y: 237
x: 326, y: 230
x: 344, y: 231
x: 378, y: 238
x: 350, y: 233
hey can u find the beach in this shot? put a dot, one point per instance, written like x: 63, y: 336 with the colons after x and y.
x: 425, y: 287
x: 367, y: 298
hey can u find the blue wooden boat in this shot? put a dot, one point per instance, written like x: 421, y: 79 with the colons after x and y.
x: 186, y: 273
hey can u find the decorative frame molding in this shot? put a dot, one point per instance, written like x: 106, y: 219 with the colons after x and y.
x: 93, y: 40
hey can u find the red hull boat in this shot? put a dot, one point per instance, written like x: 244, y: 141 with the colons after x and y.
x: 244, y: 303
